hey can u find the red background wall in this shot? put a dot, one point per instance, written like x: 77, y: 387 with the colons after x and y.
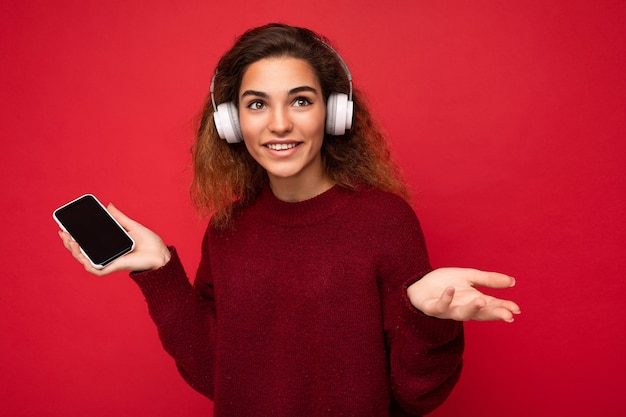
x: 507, y: 116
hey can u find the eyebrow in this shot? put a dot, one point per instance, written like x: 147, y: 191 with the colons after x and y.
x: 302, y: 89
x: 291, y: 92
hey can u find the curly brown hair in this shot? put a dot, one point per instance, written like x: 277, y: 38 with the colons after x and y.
x: 226, y: 173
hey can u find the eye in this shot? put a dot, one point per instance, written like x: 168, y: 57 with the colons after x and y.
x: 302, y: 102
x: 256, y: 105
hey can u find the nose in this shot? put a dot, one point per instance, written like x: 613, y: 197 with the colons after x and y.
x: 280, y: 122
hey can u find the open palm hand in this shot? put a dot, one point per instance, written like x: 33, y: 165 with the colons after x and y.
x: 450, y: 293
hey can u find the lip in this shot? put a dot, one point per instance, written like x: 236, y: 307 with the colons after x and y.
x: 282, y: 148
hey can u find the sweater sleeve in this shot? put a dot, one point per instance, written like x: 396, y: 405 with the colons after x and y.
x: 185, y: 318
x: 425, y: 353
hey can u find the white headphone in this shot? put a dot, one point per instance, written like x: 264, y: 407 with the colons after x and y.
x: 339, y: 111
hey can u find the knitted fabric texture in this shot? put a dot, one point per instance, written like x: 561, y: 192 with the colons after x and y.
x: 300, y: 309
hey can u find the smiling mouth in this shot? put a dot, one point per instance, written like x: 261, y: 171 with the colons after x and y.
x: 281, y: 146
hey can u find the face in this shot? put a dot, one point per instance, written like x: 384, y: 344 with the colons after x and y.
x: 282, y: 114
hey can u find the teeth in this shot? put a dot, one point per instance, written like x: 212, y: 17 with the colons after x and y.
x: 281, y: 146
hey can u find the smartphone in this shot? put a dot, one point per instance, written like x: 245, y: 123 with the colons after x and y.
x: 100, y: 237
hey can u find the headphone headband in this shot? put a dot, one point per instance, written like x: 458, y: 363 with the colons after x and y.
x: 343, y: 65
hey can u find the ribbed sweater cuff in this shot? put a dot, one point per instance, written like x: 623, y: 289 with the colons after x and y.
x: 162, y: 286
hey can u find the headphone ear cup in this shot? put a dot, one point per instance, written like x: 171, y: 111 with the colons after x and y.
x: 226, y: 121
x: 339, y: 114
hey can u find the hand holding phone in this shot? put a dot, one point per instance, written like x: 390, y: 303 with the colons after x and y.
x: 99, y: 235
x: 149, y: 250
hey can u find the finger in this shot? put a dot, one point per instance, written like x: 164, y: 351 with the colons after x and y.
x: 493, y: 314
x: 77, y: 254
x: 497, y: 309
x: 505, y: 315
x: 70, y: 244
x: 491, y: 279
x: 511, y: 306
x: 444, y: 302
x: 505, y: 304
x: 65, y: 238
x: 125, y: 221
x: 470, y: 310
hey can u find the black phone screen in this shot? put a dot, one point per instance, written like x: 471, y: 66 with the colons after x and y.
x: 93, y: 228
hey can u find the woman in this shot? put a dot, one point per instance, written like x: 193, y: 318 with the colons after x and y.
x: 314, y: 295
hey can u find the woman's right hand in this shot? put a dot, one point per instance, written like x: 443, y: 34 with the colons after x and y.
x: 150, y: 252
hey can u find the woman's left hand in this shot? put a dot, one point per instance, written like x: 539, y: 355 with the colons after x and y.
x: 450, y: 293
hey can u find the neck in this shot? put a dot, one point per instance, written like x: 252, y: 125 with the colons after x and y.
x: 293, y: 190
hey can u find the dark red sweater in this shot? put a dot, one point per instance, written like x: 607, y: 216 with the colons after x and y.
x: 301, y: 310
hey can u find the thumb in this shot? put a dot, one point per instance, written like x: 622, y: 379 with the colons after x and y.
x: 124, y: 221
